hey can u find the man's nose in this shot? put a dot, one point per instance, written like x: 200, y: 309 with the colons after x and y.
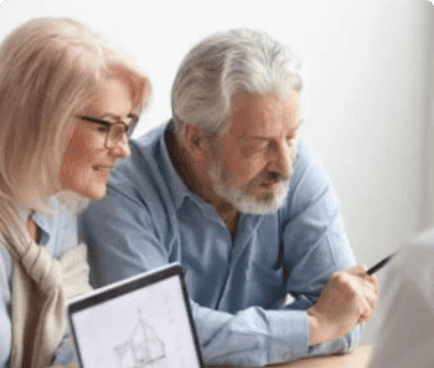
x: 281, y: 160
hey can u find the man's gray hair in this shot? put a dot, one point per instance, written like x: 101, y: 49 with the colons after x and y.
x: 222, y: 66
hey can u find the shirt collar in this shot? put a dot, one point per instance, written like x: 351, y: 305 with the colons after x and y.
x: 179, y: 191
x: 177, y: 187
x: 45, y: 224
x: 43, y: 220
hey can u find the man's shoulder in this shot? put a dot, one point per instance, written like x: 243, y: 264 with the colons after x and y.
x: 308, y: 168
x: 150, y: 138
x: 144, y: 161
x: 309, y: 182
x: 303, y: 146
x: 148, y: 147
x: 305, y: 155
x: 147, y: 178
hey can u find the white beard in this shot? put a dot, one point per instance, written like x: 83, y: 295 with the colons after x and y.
x: 244, y: 199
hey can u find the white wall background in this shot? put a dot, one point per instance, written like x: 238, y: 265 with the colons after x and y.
x: 367, y: 64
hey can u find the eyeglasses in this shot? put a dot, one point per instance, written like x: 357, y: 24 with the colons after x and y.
x: 115, y: 131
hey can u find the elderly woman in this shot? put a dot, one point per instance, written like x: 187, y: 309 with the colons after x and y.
x: 68, y: 101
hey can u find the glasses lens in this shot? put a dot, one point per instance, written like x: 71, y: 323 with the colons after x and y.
x: 131, y: 126
x: 118, y: 132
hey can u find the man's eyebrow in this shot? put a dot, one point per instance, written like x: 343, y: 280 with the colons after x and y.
x: 264, y: 138
x: 259, y: 137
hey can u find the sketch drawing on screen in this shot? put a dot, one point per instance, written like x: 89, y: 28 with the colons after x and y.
x: 146, y: 326
x: 144, y: 349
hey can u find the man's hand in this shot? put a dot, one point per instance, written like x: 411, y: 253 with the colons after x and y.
x: 349, y: 298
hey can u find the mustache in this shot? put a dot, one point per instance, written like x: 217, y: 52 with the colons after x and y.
x: 268, y: 177
x: 272, y: 177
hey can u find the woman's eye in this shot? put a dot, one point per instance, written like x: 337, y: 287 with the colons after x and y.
x: 103, y: 128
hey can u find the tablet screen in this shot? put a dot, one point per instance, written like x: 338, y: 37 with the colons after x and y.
x: 148, y: 328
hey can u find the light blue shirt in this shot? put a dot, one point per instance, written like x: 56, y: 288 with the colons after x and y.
x: 58, y: 235
x: 237, y: 287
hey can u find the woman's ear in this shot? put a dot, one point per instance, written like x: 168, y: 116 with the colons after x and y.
x: 196, y: 142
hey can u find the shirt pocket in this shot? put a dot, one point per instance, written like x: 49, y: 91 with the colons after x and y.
x: 266, y: 286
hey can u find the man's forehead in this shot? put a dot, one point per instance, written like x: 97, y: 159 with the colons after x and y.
x: 251, y: 100
x: 252, y: 114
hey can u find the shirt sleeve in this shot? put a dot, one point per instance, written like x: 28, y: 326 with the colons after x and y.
x: 315, y: 242
x: 65, y: 353
x: 257, y: 337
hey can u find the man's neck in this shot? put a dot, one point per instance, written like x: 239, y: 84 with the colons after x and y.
x: 195, y: 176
x: 230, y: 218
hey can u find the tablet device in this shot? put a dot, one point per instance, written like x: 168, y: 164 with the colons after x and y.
x: 143, y: 321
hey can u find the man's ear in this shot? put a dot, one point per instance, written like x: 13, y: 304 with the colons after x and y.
x: 195, y: 141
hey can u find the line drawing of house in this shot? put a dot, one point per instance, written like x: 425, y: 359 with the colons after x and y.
x: 144, y: 349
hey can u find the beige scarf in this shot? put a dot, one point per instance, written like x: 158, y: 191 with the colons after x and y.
x: 41, y: 286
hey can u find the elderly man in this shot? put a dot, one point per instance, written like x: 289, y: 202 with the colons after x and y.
x: 227, y: 189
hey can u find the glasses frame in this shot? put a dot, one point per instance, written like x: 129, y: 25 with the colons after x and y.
x: 128, y: 128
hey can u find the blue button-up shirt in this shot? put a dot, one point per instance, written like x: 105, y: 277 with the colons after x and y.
x: 58, y: 235
x: 238, y: 288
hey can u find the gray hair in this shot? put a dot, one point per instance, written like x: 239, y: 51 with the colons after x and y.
x: 222, y: 66
x: 50, y: 69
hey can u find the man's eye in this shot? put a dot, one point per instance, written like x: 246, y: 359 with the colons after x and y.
x: 262, y: 146
x: 290, y: 139
x: 255, y: 147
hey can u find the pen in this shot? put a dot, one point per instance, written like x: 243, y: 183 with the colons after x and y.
x: 379, y: 265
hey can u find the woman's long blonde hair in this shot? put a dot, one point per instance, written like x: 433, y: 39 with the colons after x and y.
x: 50, y: 69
